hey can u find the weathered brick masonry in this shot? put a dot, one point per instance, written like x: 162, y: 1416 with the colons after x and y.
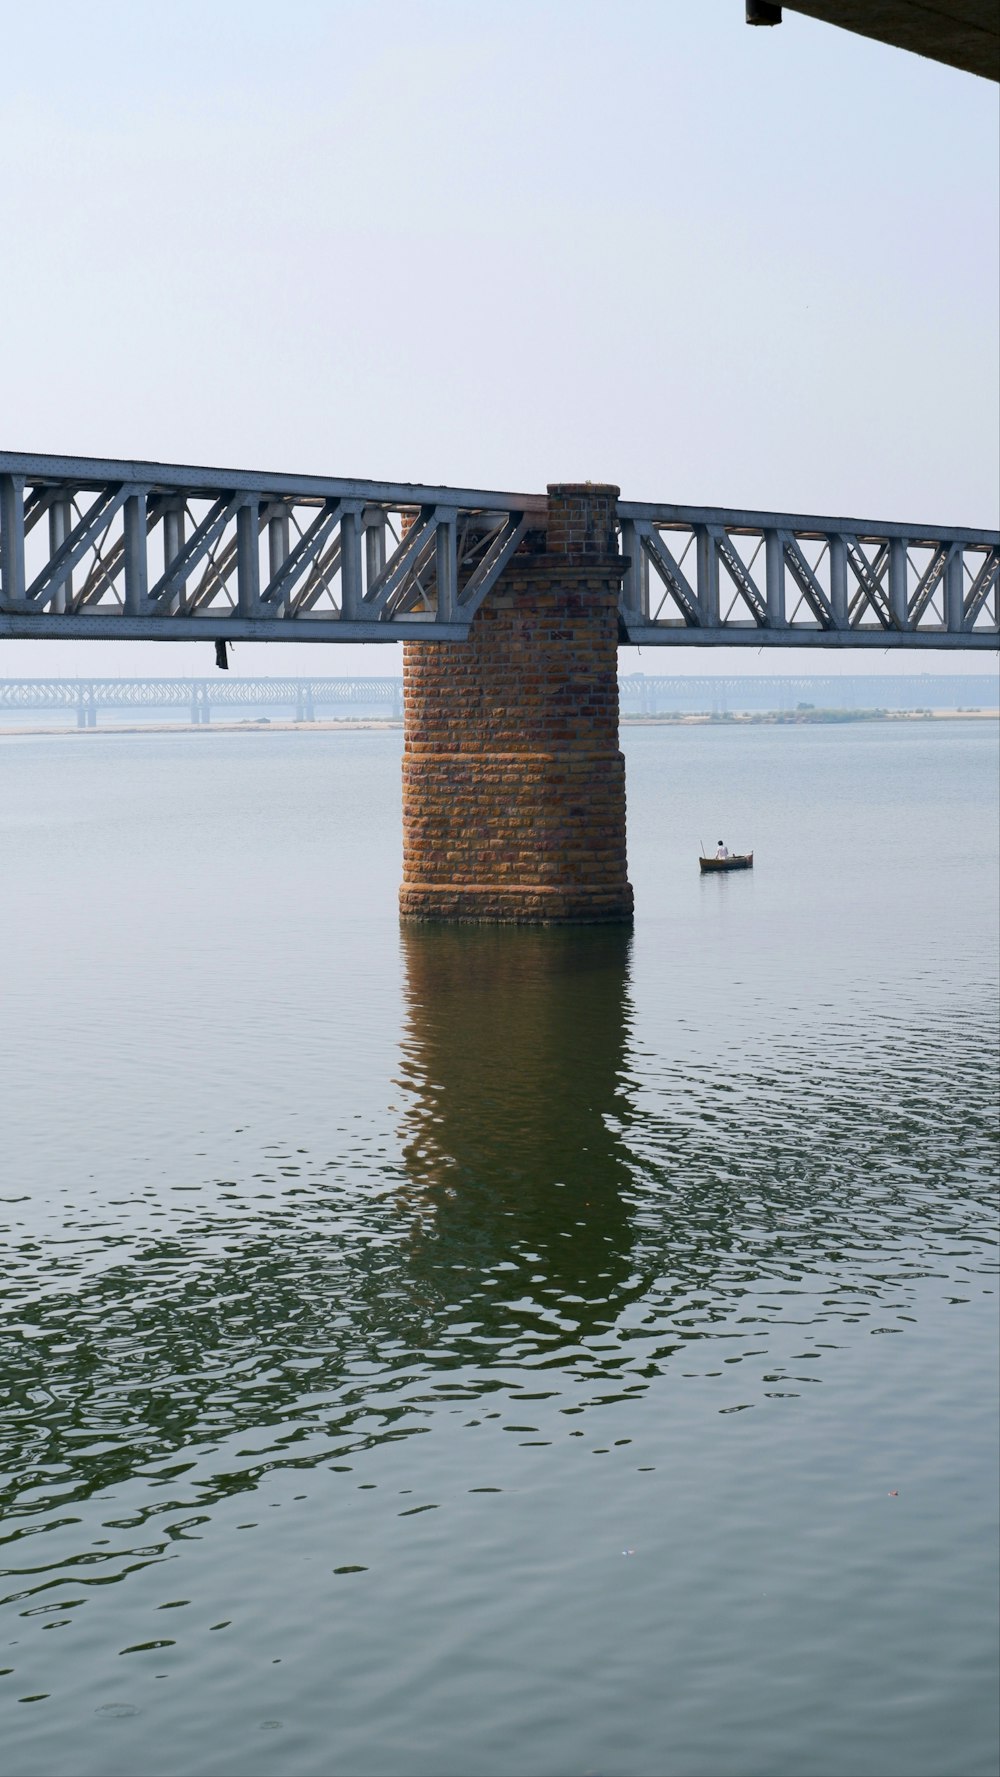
x: 513, y: 783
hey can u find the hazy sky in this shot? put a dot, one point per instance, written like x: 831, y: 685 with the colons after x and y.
x: 500, y: 243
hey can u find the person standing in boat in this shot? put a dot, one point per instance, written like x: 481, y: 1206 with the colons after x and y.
x: 723, y: 851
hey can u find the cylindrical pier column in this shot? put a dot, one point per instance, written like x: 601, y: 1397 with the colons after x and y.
x: 513, y: 782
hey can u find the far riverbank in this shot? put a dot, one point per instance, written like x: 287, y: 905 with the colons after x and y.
x: 354, y: 725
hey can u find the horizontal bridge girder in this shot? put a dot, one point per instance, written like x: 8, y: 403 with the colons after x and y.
x: 747, y: 636
x: 115, y: 628
x: 155, y: 551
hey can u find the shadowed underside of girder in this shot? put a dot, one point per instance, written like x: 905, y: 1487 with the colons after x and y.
x: 963, y: 33
x: 151, y: 551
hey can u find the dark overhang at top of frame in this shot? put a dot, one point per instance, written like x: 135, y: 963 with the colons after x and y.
x: 962, y: 33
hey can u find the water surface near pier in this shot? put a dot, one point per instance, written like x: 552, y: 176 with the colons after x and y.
x: 475, y: 1351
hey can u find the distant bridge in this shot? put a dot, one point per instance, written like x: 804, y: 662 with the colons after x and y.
x: 644, y: 694
x: 300, y: 697
x: 639, y: 694
x: 167, y: 552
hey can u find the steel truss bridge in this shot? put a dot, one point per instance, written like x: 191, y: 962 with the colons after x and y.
x: 201, y: 696
x: 155, y: 551
x: 652, y: 694
x: 639, y: 693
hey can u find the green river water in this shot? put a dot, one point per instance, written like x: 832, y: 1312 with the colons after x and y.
x: 472, y: 1351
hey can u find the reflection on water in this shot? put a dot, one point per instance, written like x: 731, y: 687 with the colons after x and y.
x: 551, y: 1204
x: 570, y: 1263
x: 514, y: 1066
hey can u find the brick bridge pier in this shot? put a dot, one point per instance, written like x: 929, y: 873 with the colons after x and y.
x: 513, y: 782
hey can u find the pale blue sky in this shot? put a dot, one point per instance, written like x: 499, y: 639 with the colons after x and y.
x: 500, y: 244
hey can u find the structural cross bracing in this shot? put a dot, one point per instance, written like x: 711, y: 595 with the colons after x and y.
x: 164, y: 551
x: 707, y: 575
x: 156, y: 551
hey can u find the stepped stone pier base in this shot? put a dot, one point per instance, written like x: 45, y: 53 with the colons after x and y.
x: 513, y: 782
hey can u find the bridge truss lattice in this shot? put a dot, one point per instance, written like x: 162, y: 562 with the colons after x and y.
x: 92, y: 548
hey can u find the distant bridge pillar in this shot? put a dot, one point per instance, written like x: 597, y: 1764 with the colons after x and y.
x: 513, y: 782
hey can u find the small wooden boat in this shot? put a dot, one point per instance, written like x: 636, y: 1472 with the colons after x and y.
x: 738, y: 861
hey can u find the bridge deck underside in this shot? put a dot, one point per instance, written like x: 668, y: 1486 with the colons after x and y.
x: 963, y: 33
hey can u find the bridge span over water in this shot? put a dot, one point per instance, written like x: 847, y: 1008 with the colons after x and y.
x: 512, y: 608
x: 155, y: 551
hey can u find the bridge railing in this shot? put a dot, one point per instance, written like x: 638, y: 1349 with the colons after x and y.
x: 706, y: 575
x: 92, y: 547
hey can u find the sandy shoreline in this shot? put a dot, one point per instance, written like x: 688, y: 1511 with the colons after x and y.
x: 8, y: 730
x: 753, y: 719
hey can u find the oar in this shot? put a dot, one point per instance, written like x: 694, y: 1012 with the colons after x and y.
x: 703, y: 852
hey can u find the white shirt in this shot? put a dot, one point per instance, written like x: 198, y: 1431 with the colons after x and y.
x: 723, y: 851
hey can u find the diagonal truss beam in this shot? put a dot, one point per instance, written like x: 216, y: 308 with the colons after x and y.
x: 806, y: 580
x: 72, y: 550
x: 506, y: 540
x: 868, y: 575
x: 985, y: 585
x: 169, y: 589
x: 303, y: 554
x: 929, y: 581
x: 740, y: 574
x: 671, y: 573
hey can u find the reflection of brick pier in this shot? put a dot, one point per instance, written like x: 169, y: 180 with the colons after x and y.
x: 514, y: 1071
x: 513, y: 782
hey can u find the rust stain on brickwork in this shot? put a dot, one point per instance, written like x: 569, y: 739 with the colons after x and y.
x: 513, y: 782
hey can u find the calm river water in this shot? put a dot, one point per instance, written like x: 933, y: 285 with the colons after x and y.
x: 499, y: 1352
